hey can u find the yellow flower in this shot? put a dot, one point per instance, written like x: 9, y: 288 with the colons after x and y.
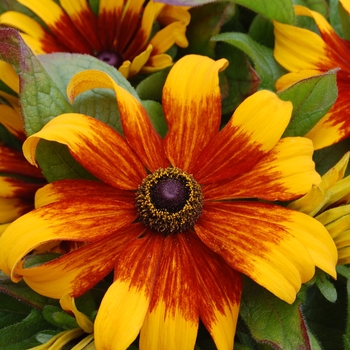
x: 305, y: 54
x: 328, y: 203
x: 174, y: 217
x: 19, y: 180
x: 121, y: 34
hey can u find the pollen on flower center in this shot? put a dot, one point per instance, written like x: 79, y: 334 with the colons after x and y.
x: 110, y: 57
x: 169, y: 201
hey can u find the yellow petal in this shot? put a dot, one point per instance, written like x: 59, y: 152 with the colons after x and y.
x: 123, y: 308
x: 346, y: 5
x: 12, y: 208
x: 219, y: 291
x: 276, y: 247
x: 93, y: 144
x: 137, y: 127
x: 77, y: 220
x: 139, y: 61
x: 286, y: 172
x: 192, y: 108
x: 172, y: 319
x: 47, y: 10
x: 9, y: 76
x: 289, y: 79
x: 12, y: 121
x: 289, y: 40
x: 68, y: 303
x: 60, y: 340
x: 254, y: 129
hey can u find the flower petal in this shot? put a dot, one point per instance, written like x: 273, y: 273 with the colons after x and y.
x: 333, y: 127
x: 192, y: 108
x: 65, y: 190
x: 346, y: 5
x: 78, y: 271
x: 80, y: 219
x: 174, y: 33
x: 12, y: 208
x: 137, y: 64
x: 141, y: 38
x: 83, y: 20
x: 172, y: 319
x: 254, y: 129
x: 12, y: 121
x: 68, y: 304
x: 137, y: 127
x: 157, y: 62
x: 289, y: 79
x: 109, y: 26
x: 286, y: 172
x: 12, y: 161
x: 276, y: 247
x: 219, y: 292
x: 8, y: 75
x: 60, y: 24
x: 11, y: 187
x: 289, y: 40
x: 96, y: 146
x: 126, y: 302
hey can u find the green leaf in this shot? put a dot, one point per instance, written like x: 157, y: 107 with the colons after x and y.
x: 279, y: 10
x: 57, y: 163
x: 21, y: 336
x: 265, y: 64
x: 261, y: 30
x: 273, y: 321
x: 40, y: 97
x: 344, y: 271
x: 320, y: 6
x: 238, y: 81
x: 98, y: 103
x: 12, y: 310
x: 345, y: 21
x: 22, y: 292
x: 151, y: 88
x: 326, y: 287
x: 156, y: 114
x: 206, y: 21
x: 334, y: 18
x: 311, y: 98
x: 327, y: 157
x: 326, y: 320
x: 59, y: 318
x: 8, y: 139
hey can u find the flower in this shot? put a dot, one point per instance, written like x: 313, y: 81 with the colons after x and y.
x: 121, y: 34
x: 305, y: 54
x: 328, y: 203
x: 173, y: 218
x: 19, y: 180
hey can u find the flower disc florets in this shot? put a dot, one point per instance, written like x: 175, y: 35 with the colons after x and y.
x: 169, y: 201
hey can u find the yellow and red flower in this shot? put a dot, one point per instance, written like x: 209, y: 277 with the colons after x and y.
x: 121, y: 34
x: 328, y: 202
x: 19, y: 180
x: 305, y: 53
x: 174, y: 217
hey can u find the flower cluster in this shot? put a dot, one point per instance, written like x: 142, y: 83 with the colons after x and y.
x: 168, y: 182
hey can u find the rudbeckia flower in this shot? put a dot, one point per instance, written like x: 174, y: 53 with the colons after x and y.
x: 19, y: 180
x: 175, y: 218
x: 122, y: 34
x: 328, y: 203
x: 305, y: 54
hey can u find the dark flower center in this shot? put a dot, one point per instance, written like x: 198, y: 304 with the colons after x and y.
x: 169, y: 201
x: 110, y: 57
